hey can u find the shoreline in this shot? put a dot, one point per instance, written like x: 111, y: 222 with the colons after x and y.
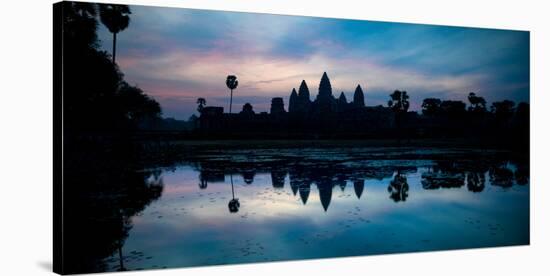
x: 337, y: 143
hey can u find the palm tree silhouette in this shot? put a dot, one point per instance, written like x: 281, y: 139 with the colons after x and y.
x: 231, y: 83
x: 116, y: 19
x: 476, y: 103
x: 201, y: 102
x: 399, y: 101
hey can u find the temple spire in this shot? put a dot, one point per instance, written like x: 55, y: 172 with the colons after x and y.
x: 293, y: 102
x: 342, y: 98
x: 359, y: 97
x: 325, y: 89
x: 303, y: 91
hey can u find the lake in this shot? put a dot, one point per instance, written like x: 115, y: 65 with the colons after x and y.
x: 256, y: 205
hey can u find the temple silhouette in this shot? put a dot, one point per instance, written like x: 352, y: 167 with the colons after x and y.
x: 324, y: 114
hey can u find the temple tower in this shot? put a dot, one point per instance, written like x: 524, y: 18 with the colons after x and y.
x: 277, y: 106
x: 294, y: 102
x: 325, y: 89
x: 325, y: 102
x: 358, y: 97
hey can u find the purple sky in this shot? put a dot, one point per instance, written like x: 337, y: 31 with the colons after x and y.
x: 178, y: 55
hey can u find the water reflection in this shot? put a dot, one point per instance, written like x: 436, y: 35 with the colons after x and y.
x: 339, y: 206
x: 99, y: 214
x: 441, y: 174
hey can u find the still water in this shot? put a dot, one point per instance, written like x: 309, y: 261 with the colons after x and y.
x: 250, y: 206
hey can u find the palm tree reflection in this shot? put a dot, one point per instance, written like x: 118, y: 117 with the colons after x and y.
x: 501, y: 176
x: 234, y: 202
x: 203, y: 183
x: 399, y: 188
x: 475, y: 181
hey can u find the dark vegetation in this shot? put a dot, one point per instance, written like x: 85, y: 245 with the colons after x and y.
x: 97, y: 100
x: 104, y: 181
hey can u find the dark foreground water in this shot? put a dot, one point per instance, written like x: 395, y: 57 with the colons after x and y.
x: 268, y: 205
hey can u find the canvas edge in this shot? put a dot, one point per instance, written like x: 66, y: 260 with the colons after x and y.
x: 58, y: 263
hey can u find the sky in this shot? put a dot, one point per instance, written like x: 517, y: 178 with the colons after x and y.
x: 178, y: 55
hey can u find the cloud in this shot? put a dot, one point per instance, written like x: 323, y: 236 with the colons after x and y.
x: 178, y: 55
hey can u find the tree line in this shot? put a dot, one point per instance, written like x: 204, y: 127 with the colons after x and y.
x: 96, y: 96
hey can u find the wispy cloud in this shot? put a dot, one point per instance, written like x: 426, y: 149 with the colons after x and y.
x: 177, y: 55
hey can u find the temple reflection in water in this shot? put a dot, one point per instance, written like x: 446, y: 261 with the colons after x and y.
x: 302, y: 178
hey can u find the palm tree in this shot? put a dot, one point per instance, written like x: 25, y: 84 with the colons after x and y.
x: 477, y: 104
x: 231, y: 83
x: 399, y: 103
x: 116, y: 19
x: 431, y: 106
x: 201, y: 102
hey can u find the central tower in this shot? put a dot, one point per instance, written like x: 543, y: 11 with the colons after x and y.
x: 325, y: 89
x: 325, y: 102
